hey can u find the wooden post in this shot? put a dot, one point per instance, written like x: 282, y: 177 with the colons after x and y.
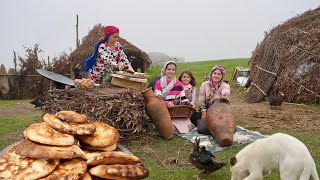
x: 15, y: 62
x: 77, y: 38
x: 49, y: 67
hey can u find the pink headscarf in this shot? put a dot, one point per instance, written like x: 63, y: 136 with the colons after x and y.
x: 108, y: 30
x: 223, y: 72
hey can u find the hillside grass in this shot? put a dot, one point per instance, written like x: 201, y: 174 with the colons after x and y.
x: 168, y: 159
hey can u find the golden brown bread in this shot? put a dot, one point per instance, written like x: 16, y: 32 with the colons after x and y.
x: 86, y: 176
x: 13, y: 166
x: 111, y: 157
x: 68, y: 127
x: 72, y: 116
x: 44, y: 134
x: 108, y: 148
x: 105, y: 135
x: 35, y: 150
x: 120, y: 171
x: 71, y: 169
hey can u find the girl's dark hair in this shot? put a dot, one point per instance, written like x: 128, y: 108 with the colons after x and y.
x: 193, y: 80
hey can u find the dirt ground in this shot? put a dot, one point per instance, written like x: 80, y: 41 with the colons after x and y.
x: 21, y: 109
x: 297, y: 117
x: 288, y: 116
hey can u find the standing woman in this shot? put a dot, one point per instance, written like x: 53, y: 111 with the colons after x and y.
x: 107, y: 56
x: 171, y: 91
x: 210, y: 90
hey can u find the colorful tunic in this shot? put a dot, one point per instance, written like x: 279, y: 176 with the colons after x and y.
x: 206, y: 94
x: 183, y: 125
x: 175, y: 93
x: 107, y: 60
x: 190, y: 92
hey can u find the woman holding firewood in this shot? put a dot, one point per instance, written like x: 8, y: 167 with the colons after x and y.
x: 107, y: 56
x: 172, y: 92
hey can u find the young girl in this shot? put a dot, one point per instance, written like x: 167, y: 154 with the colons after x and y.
x: 171, y: 91
x: 189, y: 83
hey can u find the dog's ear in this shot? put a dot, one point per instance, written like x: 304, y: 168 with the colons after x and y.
x: 233, y: 161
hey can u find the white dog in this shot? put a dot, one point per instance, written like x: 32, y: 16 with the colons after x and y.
x: 278, y: 151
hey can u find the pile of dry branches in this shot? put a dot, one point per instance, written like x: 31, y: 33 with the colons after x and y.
x: 119, y: 107
x: 287, y: 60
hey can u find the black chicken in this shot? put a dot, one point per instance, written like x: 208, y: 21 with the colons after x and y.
x: 39, y: 102
x: 201, y: 159
x: 276, y: 100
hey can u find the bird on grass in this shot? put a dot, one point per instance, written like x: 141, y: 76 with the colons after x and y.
x: 39, y: 102
x: 276, y: 100
x: 201, y: 159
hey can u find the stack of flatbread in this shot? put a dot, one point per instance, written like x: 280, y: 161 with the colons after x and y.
x: 67, y: 146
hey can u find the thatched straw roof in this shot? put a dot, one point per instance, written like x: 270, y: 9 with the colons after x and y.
x: 288, y: 60
x: 138, y: 58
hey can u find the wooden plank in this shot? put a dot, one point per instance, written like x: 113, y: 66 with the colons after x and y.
x: 135, y: 75
x: 130, y: 78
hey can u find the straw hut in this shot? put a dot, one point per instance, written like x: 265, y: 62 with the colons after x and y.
x: 288, y: 60
x: 138, y: 58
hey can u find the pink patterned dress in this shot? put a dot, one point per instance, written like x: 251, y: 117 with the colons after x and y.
x: 107, y: 60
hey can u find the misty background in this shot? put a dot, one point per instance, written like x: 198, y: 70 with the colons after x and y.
x: 194, y: 30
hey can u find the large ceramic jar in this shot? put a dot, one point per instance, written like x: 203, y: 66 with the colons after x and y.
x: 158, y: 113
x: 221, y: 121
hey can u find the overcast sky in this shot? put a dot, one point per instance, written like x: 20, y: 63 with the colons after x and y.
x: 195, y: 30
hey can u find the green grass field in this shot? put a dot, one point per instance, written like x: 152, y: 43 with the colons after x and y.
x: 168, y: 159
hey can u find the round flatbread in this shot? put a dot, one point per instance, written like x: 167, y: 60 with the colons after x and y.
x: 68, y: 169
x: 110, y: 158
x: 72, y: 116
x: 108, y: 148
x: 35, y: 150
x: 105, y: 135
x: 14, y: 166
x: 68, y: 127
x: 119, y: 171
x: 44, y: 134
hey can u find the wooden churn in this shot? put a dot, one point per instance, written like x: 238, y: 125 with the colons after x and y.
x: 158, y: 113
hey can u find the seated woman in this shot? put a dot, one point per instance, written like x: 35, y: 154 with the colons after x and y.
x: 172, y: 91
x: 107, y: 56
x: 210, y: 90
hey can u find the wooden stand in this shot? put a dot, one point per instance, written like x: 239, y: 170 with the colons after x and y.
x: 136, y: 84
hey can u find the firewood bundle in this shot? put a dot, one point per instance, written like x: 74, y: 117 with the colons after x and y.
x: 68, y: 146
x: 119, y: 107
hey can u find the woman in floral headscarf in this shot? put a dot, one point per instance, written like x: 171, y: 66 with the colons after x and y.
x: 171, y: 91
x: 107, y: 56
x: 210, y: 90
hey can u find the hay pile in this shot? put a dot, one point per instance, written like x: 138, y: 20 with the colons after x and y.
x: 287, y: 60
x: 138, y: 58
x: 118, y: 107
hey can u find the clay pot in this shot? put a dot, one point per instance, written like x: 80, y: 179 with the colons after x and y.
x: 221, y: 121
x: 158, y: 113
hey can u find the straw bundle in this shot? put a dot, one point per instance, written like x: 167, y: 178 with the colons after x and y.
x: 287, y: 60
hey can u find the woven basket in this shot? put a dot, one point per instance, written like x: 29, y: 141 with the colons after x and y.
x: 181, y: 111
